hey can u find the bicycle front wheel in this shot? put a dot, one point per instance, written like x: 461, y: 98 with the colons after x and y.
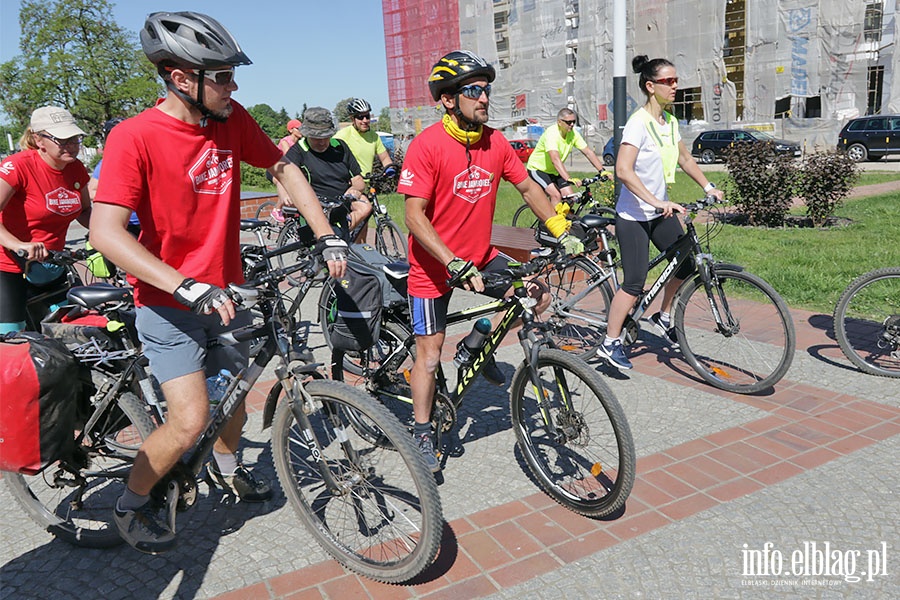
x: 74, y: 499
x: 867, y: 322
x: 580, y: 295
x: 574, y: 434
x: 390, y: 241
x: 375, y: 510
x: 752, y: 345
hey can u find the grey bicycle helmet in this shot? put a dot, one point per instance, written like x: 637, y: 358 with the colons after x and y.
x: 190, y: 40
x: 454, y: 68
x: 358, y: 106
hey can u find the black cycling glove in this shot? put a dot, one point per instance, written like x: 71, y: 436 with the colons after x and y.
x: 201, y: 298
x: 331, y: 247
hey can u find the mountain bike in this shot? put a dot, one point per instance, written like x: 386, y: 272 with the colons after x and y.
x: 375, y: 511
x: 567, y: 421
x: 732, y: 327
x: 867, y: 322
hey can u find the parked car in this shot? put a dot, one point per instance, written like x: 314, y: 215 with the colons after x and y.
x: 523, y: 148
x: 609, y: 152
x: 710, y: 146
x: 870, y: 138
x: 388, y: 140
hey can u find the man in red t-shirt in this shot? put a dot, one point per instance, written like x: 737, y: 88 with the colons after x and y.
x: 450, y: 177
x: 178, y: 166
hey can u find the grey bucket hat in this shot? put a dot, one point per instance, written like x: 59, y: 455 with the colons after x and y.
x: 317, y: 123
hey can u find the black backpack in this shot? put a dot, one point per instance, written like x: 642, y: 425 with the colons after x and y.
x: 357, y: 322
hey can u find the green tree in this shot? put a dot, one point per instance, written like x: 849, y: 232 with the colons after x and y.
x: 384, y: 120
x: 340, y: 110
x: 74, y: 55
x: 269, y: 120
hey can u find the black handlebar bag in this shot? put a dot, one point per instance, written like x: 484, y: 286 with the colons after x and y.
x: 39, y: 388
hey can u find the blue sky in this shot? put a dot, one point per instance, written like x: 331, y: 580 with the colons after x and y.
x: 312, y: 51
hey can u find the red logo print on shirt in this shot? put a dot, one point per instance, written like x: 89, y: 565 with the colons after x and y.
x: 472, y: 184
x: 212, y: 174
x: 63, y: 202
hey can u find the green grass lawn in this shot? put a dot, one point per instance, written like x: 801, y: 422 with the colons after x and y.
x: 808, y: 267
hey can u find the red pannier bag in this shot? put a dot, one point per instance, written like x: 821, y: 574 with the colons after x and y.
x: 39, y: 388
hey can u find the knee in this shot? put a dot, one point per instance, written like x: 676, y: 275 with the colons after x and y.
x: 427, y: 360
x: 186, y: 428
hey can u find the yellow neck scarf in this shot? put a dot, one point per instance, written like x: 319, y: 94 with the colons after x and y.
x: 458, y: 134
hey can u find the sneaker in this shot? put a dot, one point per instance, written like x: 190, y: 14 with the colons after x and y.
x: 667, y: 333
x: 143, y: 529
x: 425, y: 442
x: 492, y: 373
x: 277, y: 215
x: 615, y: 354
x: 241, y: 483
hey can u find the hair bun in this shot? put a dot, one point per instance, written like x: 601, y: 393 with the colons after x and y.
x: 639, y: 62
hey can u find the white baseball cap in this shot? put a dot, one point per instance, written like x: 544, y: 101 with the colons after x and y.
x: 56, y: 121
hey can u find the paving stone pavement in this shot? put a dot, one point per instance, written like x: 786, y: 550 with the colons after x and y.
x: 812, y: 462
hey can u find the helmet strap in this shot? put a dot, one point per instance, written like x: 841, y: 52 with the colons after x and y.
x: 198, y: 101
x: 467, y: 125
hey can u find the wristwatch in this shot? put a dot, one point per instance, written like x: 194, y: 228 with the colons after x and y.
x: 709, y: 186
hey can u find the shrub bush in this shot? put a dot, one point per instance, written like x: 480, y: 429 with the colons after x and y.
x: 762, y: 182
x: 825, y: 180
x: 255, y: 177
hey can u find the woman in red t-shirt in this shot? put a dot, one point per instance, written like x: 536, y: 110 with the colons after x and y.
x: 42, y: 190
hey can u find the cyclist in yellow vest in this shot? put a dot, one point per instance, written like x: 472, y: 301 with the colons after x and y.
x: 364, y: 143
x: 546, y: 164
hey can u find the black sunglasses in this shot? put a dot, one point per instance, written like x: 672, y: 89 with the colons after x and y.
x: 474, y: 91
x: 364, y: 117
x: 569, y: 123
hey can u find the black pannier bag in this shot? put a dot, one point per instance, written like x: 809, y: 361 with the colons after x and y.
x: 39, y: 390
x: 357, y: 322
x: 377, y: 261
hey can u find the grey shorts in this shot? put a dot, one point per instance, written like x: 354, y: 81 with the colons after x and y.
x: 175, y: 341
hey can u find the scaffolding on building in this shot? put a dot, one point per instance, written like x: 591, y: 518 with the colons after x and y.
x: 799, y: 68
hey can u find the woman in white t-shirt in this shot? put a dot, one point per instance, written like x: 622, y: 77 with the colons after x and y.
x: 651, y: 148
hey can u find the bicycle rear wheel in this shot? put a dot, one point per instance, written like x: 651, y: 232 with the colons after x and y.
x: 382, y: 517
x: 586, y: 460
x: 755, y: 347
x: 579, y: 306
x: 74, y: 499
x: 294, y: 230
x: 264, y: 212
x: 390, y: 241
x: 867, y: 322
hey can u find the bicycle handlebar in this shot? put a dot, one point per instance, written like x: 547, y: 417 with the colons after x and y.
x: 62, y: 257
x: 513, y: 273
x: 702, y: 204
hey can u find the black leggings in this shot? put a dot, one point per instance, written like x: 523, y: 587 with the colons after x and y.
x: 15, y: 291
x: 634, y: 238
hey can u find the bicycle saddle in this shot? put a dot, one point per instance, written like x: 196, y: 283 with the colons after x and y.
x: 596, y: 221
x: 253, y: 224
x: 92, y: 296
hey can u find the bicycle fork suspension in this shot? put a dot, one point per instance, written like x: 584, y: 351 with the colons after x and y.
x: 301, y: 406
x: 715, y: 296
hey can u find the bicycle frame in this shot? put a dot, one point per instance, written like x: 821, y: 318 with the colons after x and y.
x: 513, y: 307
